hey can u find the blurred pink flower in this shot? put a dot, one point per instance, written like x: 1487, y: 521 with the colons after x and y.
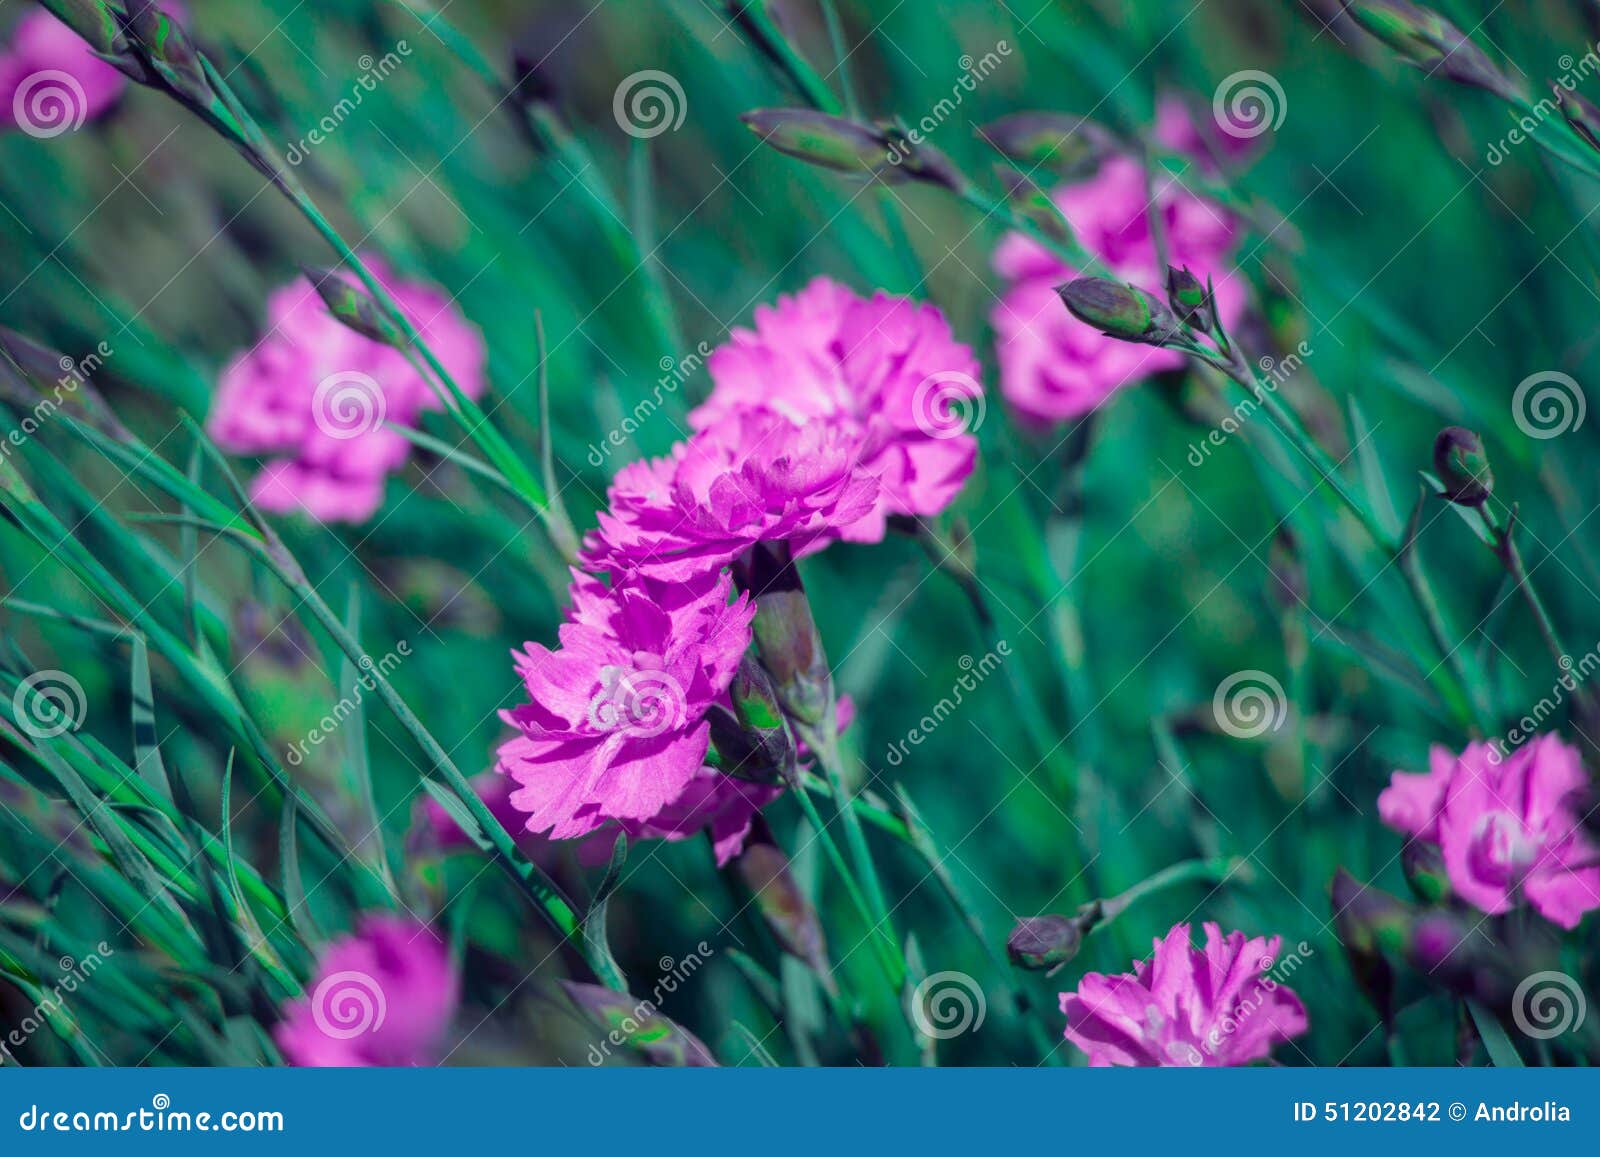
x: 885, y: 368
x: 753, y: 476
x: 1186, y: 1006
x: 384, y: 996
x: 1508, y: 826
x: 317, y: 393
x: 1177, y: 130
x: 615, y: 727
x: 50, y: 79
x: 1054, y: 367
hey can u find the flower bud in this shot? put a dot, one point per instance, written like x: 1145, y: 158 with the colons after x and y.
x: 1580, y: 113
x: 1190, y: 300
x: 638, y: 1025
x: 353, y: 306
x: 167, y: 49
x: 786, y: 633
x: 1042, y: 942
x: 1426, y: 40
x: 1462, y: 466
x: 1366, y: 919
x: 819, y: 139
x: 1118, y: 310
x: 1033, y: 139
x: 788, y: 914
x: 753, y: 741
x: 1423, y: 865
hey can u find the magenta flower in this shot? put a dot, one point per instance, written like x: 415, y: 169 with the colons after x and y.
x: 615, y: 729
x: 317, y: 394
x: 1508, y: 826
x: 886, y: 369
x: 51, y: 82
x: 1054, y: 367
x: 384, y: 996
x: 1187, y: 1006
x: 1177, y: 130
x: 753, y: 476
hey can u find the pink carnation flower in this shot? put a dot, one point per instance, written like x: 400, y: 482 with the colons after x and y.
x: 1186, y: 1006
x: 1508, y: 827
x: 753, y: 476
x: 615, y: 729
x: 50, y: 79
x: 384, y: 996
x: 1175, y: 129
x: 1054, y: 367
x: 317, y: 393
x: 885, y: 368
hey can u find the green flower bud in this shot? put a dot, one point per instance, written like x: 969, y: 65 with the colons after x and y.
x: 1044, y: 942
x: 1190, y: 299
x: 764, y: 869
x: 1066, y: 143
x: 828, y: 141
x: 753, y: 740
x: 99, y: 25
x: 167, y: 49
x: 1118, y: 310
x: 1426, y: 40
x: 786, y: 634
x: 1462, y: 466
x: 353, y: 306
x: 638, y: 1025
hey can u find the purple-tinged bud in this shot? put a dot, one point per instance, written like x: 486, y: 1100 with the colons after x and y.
x: 828, y: 141
x: 637, y: 1024
x: 353, y: 307
x: 788, y: 914
x: 1038, y: 943
x: 1462, y: 466
x: 1426, y: 40
x: 1066, y: 143
x: 1580, y: 113
x: 1365, y: 918
x: 786, y: 633
x: 1423, y: 865
x: 1030, y: 202
x: 1190, y: 299
x: 167, y: 49
x: 1118, y: 310
x: 753, y: 741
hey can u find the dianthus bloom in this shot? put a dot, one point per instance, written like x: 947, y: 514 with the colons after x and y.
x: 50, y: 79
x: 753, y: 476
x: 1054, y: 367
x: 317, y: 393
x: 384, y: 996
x: 1508, y: 826
x: 1186, y: 1006
x: 615, y: 728
x: 886, y: 369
